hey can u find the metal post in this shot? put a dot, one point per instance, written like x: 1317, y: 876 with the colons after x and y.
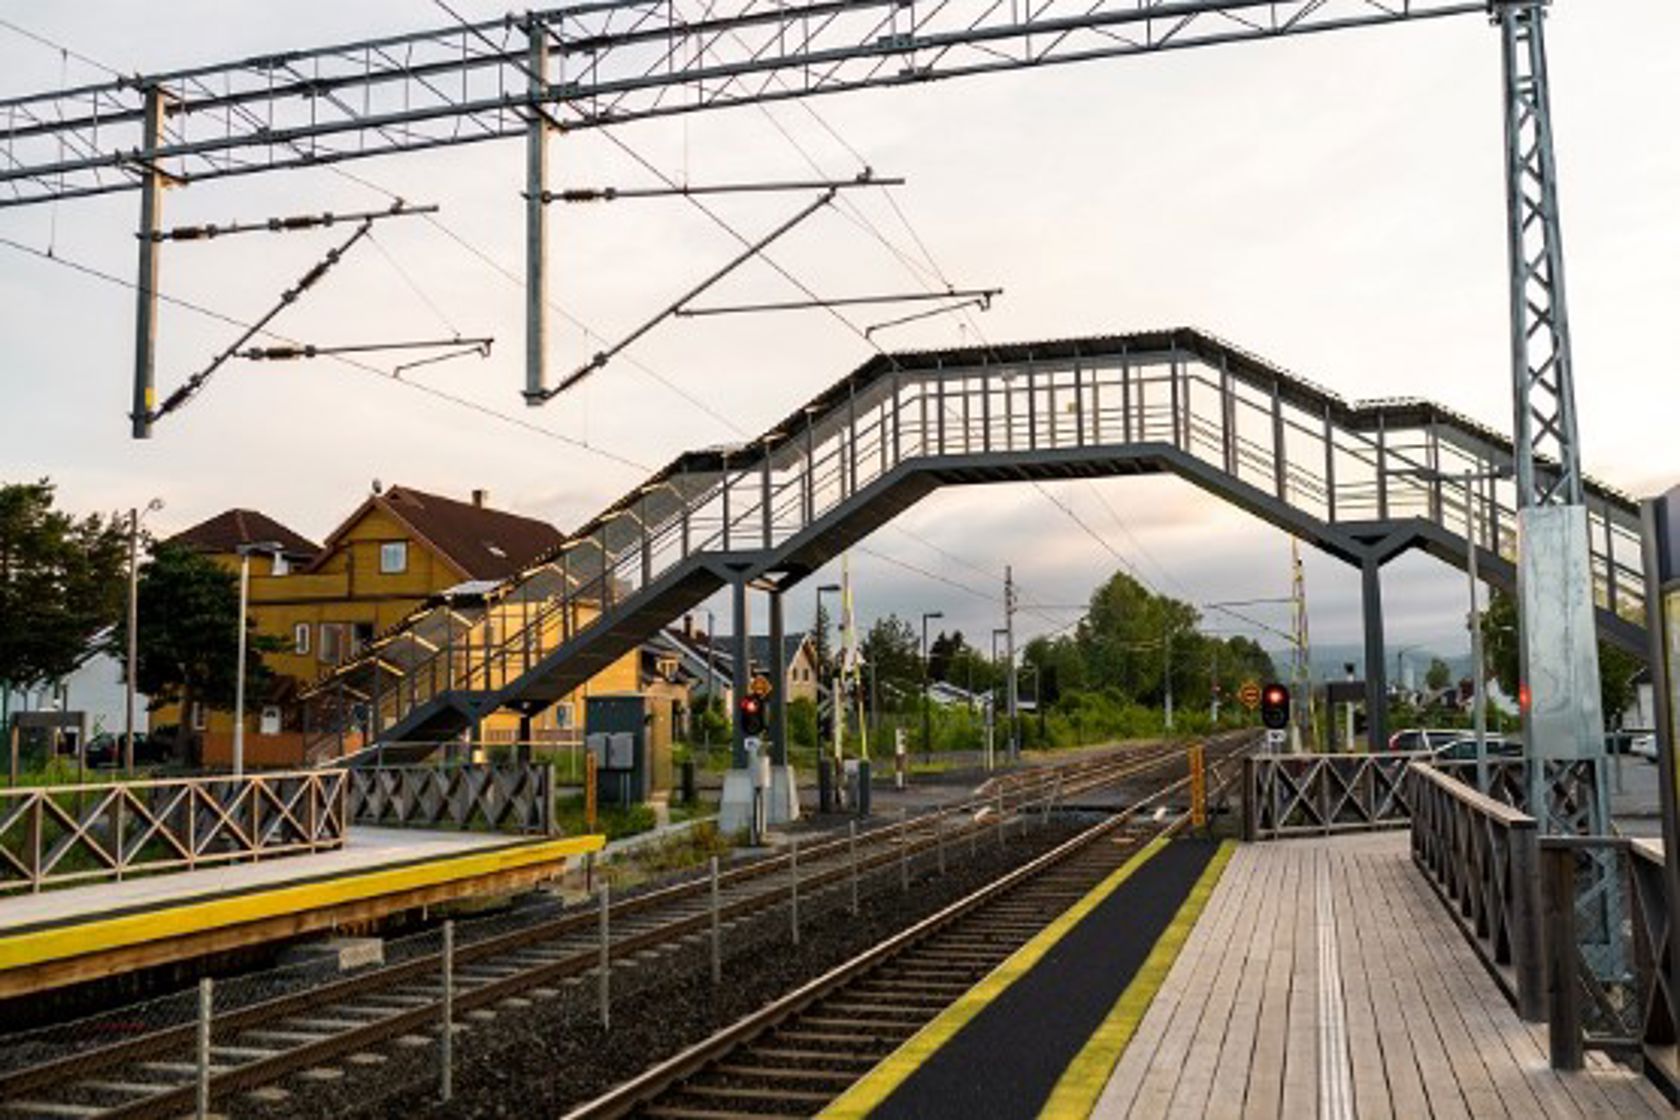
x: 606, y: 956
x: 1009, y: 652
x: 851, y: 855
x: 1376, y: 670
x: 239, y: 675
x: 1477, y: 665
x: 536, y: 218
x: 717, y: 928
x: 206, y: 1011
x: 739, y: 649
x: 778, y: 693
x: 939, y: 838
x: 145, y: 317
x: 446, y: 1062
x: 132, y: 642
x: 904, y: 848
x: 1661, y: 547
x: 793, y: 886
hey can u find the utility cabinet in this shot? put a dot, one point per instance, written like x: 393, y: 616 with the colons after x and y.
x: 631, y: 745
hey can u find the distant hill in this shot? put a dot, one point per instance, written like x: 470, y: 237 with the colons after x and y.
x: 1328, y: 661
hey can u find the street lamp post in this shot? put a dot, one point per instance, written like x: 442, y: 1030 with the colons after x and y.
x: 271, y: 548
x: 927, y: 712
x: 134, y: 516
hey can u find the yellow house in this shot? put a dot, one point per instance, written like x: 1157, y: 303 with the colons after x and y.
x: 399, y: 551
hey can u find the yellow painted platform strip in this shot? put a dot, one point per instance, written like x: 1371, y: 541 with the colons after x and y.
x: 867, y: 1094
x: 1076, y: 1092
x: 76, y: 939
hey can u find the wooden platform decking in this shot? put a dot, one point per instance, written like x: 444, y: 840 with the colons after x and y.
x: 1326, y: 980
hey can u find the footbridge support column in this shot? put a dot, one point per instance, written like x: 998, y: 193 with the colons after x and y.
x: 1376, y: 662
x: 784, y: 789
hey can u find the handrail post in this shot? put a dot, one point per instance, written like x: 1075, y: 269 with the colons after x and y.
x: 1564, y: 1008
x: 1527, y: 961
x: 1250, y: 798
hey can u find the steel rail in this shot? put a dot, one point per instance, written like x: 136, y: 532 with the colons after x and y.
x: 1016, y: 791
x: 654, y: 1082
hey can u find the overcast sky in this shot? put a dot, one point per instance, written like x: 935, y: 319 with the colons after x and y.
x: 1333, y: 203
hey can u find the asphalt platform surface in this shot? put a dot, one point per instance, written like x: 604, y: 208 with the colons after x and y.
x: 1003, y: 1063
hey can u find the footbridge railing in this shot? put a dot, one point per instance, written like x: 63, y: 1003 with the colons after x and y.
x: 1320, y: 794
x: 1346, y: 477
x: 60, y: 835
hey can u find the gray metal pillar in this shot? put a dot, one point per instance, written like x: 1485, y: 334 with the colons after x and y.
x: 145, y: 317
x: 1563, y: 725
x: 778, y: 678
x: 1376, y: 670
x: 536, y: 219
x: 1661, y: 547
x: 741, y: 674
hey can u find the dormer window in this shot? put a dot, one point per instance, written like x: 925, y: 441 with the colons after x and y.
x: 393, y: 558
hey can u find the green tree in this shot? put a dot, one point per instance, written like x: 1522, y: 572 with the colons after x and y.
x: 1438, y: 676
x: 802, y: 721
x: 189, y: 632
x: 61, y: 582
x: 893, y: 648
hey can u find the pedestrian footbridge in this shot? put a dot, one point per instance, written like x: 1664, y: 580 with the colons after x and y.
x: 1364, y: 482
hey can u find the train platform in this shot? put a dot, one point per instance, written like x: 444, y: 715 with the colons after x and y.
x: 62, y: 937
x: 1302, y: 978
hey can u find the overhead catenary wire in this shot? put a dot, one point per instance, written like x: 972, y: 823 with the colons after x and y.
x: 345, y: 360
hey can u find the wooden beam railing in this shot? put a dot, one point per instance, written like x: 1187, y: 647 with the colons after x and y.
x: 488, y: 797
x: 58, y: 835
x: 1609, y: 953
x: 1320, y: 794
x: 1480, y: 855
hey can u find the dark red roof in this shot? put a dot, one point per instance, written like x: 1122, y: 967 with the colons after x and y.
x: 226, y: 531
x: 484, y: 543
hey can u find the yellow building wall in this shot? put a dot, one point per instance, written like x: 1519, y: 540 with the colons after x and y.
x: 348, y: 589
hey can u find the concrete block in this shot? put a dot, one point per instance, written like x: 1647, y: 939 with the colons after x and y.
x: 343, y: 953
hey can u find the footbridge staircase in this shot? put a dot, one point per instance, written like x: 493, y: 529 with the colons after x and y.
x: 1364, y: 482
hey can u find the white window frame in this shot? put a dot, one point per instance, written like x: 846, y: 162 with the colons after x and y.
x: 198, y: 717
x: 279, y: 565
x: 388, y: 550
x: 300, y: 639
x: 269, y: 722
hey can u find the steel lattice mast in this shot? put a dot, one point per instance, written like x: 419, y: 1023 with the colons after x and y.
x: 1563, y: 722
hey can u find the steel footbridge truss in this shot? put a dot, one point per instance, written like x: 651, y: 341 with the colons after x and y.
x: 1364, y: 482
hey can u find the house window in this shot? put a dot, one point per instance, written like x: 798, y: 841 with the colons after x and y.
x: 361, y: 636
x: 300, y: 638
x: 270, y: 724
x: 332, y: 642
x: 279, y: 566
x: 198, y: 716
x: 393, y: 558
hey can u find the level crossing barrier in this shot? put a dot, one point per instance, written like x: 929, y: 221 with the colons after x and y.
x: 1480, y: 855
x: 59, y: 835
x: 1320, y: 794
x: 509, y: 797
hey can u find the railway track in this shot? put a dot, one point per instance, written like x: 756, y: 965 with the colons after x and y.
x: 795, y: 1056
x: 155, y: 1073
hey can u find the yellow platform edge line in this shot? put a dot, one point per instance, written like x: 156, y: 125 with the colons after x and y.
x: 82, y: 938
x: 892, y: 1071
x: 1082, y: 1083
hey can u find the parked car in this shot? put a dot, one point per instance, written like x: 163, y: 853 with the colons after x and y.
x: 1415, y: 739
x: 1644, y: 746
x: 1464, y: 749
x: 105, y: 751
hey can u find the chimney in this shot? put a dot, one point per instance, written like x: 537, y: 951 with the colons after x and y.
x: 480, y: 498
